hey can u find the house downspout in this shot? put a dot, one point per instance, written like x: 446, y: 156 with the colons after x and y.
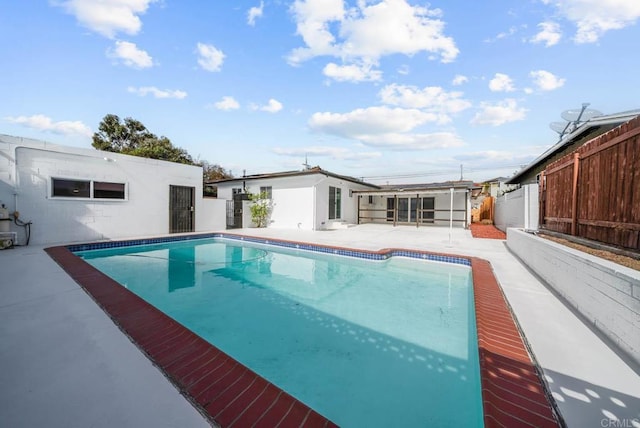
x: 315, y: 208
x: 526, y: 196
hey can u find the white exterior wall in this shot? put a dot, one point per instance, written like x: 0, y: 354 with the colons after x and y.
x: 291, y: 204
x: 212, y: 217
x: 301, y: 201
x: 605, y: 293
x: 292, y: 208
x: 518, y: 209
x: 27, y: 168
x: 349, y: 203
x: 225, y: 190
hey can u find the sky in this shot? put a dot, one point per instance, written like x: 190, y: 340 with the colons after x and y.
x: 389, y: 91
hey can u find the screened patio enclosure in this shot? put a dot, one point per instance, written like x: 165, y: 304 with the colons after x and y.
x: 416, y: 206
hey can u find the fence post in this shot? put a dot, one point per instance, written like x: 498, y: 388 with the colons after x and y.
x: 525, y: 198
x: 542, y: 209
x: 574, y: 194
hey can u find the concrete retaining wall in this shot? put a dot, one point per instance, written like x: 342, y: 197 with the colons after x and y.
x: 605, y: 293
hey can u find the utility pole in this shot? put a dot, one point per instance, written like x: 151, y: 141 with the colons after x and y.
x: 460, y: 172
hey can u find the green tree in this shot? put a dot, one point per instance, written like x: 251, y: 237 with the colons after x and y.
x: 213, y: 172
x: 260, y: 208
x: 131, y: 137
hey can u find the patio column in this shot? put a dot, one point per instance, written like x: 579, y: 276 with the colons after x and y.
x: 395, y: 210
x: 451, y: 216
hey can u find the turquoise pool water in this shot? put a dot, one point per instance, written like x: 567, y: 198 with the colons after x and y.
x: 365, y: 343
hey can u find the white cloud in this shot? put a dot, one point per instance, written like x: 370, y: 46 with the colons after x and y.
x: 549, y: 34
x: 108, y: 17
x: 158, y: 93
x: 45, y: 123
x: 273, y: 106
x: 312, y: 22
x: 356, y: 34
x: 459, y: 79
x: 501, y: 83
x: 595, y: 17
x: 210, y: 58
x: 326, y: 151
x: 227, y: 103
x: 352, y: 73
x: 403, y: 69
x: 502, y: 35
x: 546, y: 81
x: 397, y: 141
x: 430, y: 98
x: 130, y: 55
x: 255, y: 12
x: 493, y: 156
x: 384, y: 127
x: 499, y: 113
x: 371, y: 120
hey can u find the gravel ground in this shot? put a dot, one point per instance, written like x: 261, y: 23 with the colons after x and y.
x: 616, y: 258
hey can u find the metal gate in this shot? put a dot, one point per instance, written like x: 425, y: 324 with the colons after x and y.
x: 181, y: 209
x: 234, y: 210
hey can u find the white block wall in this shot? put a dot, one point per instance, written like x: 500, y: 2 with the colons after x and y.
x: 605, y: 293
x: 518, y: 209
x: 25, y: 176
x: 212, y: 216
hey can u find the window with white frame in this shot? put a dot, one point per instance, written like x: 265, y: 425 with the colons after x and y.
x: 267, y: 190
x: 106, y: 190
x: 87, y: 189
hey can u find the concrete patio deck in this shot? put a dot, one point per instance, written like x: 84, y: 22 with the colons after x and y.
x: 61, y: 356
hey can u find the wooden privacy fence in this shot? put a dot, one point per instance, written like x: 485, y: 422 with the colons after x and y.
x: 594, y: 192
x: 486, y: 209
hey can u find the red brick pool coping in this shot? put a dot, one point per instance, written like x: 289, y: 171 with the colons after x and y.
x: 232, y: 395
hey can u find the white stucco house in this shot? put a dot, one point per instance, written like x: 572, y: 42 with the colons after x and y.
x: 71, y: 194
x: 310, y: 199
x: 317, y: 199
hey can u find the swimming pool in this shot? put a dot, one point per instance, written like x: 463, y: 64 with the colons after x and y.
x: 365, y: 343
x: 231, y: 395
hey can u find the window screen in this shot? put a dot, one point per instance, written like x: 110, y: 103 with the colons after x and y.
x: 70, y: 188
x: 104, y: 190
x: 268, y: 190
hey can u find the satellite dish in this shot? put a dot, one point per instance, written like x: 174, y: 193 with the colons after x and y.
x: 579, y: 115
x: 559, y: 127
x: 590, y: 113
